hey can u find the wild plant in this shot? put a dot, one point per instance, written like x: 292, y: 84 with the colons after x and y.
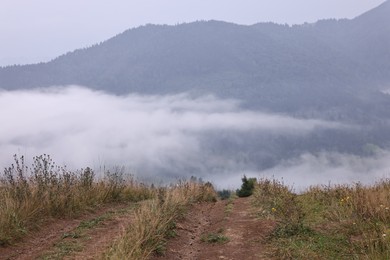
x: 31, y: 195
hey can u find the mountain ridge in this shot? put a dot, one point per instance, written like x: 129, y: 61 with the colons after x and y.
x: 267, y: 65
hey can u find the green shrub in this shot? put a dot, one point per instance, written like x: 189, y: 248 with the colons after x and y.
x: 247, y: 187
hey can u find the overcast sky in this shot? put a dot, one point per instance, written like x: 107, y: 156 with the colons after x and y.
x: 39, y: 30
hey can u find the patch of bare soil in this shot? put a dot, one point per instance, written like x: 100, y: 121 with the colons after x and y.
x: 223, y: 219
x: 46, y: 239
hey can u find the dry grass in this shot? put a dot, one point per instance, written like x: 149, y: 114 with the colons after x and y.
x: 31, y: 195
x: 339, y: 222
x: 155, y: 220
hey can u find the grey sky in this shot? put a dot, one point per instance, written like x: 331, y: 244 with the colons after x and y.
x: 39, y: 30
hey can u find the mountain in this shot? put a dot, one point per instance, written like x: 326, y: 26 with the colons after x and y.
x: 264, y: 64
x: 332, y: 69
x: 338, y: 70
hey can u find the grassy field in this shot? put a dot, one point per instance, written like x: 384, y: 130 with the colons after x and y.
x: 31, y: 196
x: 324, y: 222
x: 338, y: 222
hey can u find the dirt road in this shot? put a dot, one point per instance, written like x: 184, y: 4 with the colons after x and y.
x: 86, y: 237
x: 223, y: 230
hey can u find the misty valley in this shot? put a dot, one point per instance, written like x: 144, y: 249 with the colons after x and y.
x: 202, y: 140
x: 168, y: 137
x: 216, y: 100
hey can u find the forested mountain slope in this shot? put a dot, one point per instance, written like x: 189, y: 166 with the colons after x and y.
x: 268, y: 65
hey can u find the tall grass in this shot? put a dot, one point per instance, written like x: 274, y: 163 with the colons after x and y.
x: 31, y: 195
x: 155, y: 219
x: 338, y: 222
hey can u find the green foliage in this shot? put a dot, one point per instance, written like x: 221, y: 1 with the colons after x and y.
x: 247, y: 187
x: 215, y: 238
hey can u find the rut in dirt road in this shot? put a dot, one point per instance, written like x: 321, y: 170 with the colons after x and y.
x: 86, y: 237
x: 221, y: 230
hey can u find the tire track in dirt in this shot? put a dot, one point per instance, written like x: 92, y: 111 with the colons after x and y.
x: 246, y: 233
x: 44, y: 240
x: 186, y: 244
x: 100, y: 238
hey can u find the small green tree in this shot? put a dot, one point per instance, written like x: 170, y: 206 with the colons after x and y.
x: 247, y: 187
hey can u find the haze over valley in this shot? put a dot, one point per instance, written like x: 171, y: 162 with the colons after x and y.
x: 307, y: 103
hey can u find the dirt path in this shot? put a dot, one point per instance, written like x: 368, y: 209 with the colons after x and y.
x: 222, y: 230
x: 86, y: 237
x: 202, y: 233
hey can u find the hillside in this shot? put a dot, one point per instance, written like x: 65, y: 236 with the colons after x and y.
x: 266, y: 64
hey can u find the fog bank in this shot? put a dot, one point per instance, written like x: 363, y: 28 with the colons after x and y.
x: 163, y: 136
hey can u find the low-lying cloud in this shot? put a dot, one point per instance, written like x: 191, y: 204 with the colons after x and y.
x: 331, y: 168
x: 151, y: 135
